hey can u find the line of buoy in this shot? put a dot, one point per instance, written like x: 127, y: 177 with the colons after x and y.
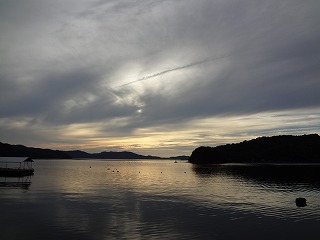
x: 183, y: 172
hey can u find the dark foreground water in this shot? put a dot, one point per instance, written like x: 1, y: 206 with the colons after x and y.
x: 66, y: 199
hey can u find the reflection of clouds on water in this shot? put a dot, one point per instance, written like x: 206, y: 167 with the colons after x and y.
x: 76, y: 179
x: 147, y: 216
x: 70, y: 200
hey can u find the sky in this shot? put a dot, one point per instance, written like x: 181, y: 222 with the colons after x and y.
x: 158, y: 77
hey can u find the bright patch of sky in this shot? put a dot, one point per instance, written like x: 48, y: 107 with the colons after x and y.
x: 157, y: 77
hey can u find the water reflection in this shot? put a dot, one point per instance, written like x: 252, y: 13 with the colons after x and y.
x: 265, y: 190
x: 23, y: 182
x: 134, y: 200
x: 308, y: 175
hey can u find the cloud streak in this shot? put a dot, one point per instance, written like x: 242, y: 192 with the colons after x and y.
x: 174, y: 69
x: 77, y: 72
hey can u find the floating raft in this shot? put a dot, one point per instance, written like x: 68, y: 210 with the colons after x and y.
x: 16, y: 167
x: 16, y: 172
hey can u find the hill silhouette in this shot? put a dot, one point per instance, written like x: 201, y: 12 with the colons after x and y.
x: 8, y: 150
x: 275, y: 149
x: 109, y: 155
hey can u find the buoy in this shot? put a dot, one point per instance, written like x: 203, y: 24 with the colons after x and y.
x: 301, y: 202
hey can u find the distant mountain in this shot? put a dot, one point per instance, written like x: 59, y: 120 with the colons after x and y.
x: 8, y: 150
x: 78, y: 154
x: 183, y: 157
x: 109, y: 155
x: 276, y: 149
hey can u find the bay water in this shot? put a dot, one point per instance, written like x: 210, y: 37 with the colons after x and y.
x: 160, y: 199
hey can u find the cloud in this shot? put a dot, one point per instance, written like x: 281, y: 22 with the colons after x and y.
x: 126, y: 66
x: 172, y: 70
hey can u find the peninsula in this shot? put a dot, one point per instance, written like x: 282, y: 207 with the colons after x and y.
x: 275, y: 149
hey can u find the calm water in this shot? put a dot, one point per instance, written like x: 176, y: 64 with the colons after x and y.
x: 66, y: 199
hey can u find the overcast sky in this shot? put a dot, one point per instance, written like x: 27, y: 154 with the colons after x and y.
x: 158, y: 77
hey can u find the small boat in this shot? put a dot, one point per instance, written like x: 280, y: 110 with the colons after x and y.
x: 175, y: 161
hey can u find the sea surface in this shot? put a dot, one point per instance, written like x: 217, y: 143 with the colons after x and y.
x: 160, y: 199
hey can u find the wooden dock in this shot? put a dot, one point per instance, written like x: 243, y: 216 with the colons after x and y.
x: 16, y: 167
x: 16, y: 172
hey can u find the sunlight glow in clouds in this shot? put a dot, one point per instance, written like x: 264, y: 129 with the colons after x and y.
x: 167, y: 139
x: 157, y: 77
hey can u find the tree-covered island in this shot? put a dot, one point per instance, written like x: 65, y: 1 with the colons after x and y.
x: 276, y: 149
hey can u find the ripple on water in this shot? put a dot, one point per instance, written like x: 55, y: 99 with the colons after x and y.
x: 134, y: 200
